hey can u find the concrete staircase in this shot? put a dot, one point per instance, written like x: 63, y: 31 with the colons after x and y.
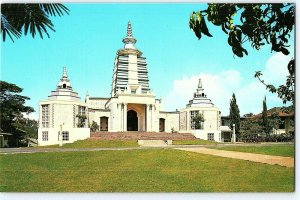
x: 140, y: 136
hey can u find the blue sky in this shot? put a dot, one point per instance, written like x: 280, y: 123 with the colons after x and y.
x: 87, y: 39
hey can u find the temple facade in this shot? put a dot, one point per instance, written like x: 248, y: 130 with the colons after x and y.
x: 131, y: 106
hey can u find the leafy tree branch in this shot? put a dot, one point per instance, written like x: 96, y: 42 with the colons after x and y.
x: 260, y: 24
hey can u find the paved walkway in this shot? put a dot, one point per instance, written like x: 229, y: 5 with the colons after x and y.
x: 268, y: 159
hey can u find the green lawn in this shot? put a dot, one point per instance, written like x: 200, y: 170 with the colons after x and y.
x: 146, y: 170
x: 97, y: 144
x: 192, y: 142
x: 277, y: 150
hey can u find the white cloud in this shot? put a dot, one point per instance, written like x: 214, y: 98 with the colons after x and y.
x: 276, y: 69
x: 219, y: 88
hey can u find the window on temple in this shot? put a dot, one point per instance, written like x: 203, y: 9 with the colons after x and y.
x: 44, y: 135
x: 65, y: 135
x: 45, y: 116
x: 81, y: 110
x: 193, y: 113
x: 64, y: 85
x: 210, y: 136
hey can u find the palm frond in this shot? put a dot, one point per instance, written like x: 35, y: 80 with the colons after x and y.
x: 6, y: 28
x: 54, y: 9
x: 30, y: 17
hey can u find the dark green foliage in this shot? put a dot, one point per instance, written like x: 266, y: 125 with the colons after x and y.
x: 197, y: 120
x: 16, y: 18
x: 234, y: 115
x: 12, y: 107
x: 30, y: 126
x: 265, y: 122
x: 81, y: 120
x: 248, y: 115
x: 94, y: 126
x: 253, y: 130
x: 259, y: 24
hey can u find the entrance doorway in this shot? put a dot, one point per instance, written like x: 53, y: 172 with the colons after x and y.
x: 161, y: 125
x: 132, y: 121
x: 103, y: 123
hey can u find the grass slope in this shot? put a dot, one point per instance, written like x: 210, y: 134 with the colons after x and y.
x: 97, y: 144
x: 277, y: 150
x: 148, y: 170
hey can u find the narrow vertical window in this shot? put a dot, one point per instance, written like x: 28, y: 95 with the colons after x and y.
x: 45, y: 116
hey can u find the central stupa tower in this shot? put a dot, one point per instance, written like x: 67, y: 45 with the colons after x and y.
x: 130, y: 68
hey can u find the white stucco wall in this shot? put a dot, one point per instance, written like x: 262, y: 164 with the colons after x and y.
x: 53, y: 135
x: 171, y: 120
x: 61, y: 113
x: 203, y: 134
x: 95, y: 115
x: 212, y: 118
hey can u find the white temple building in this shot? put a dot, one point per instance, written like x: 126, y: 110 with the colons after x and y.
x: 209, y: 127
x: 132, y: 106
x: 60, y: 113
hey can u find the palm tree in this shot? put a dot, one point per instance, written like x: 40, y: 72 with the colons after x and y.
x: 29, y: 17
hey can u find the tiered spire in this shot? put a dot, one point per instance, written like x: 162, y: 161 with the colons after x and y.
x: 129, y: 40
x: 64, y: 90
x: 64, y: 82
x: 64, y: 73
x: 200, y: 98
x: 200, y: 83
x: 199, y: 91
x: 129, y: 30
x: 130, y: 70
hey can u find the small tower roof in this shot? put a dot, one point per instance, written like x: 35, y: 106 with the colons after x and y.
x: 64, y: 82
x: 200, y: 98
x: 64, y: 90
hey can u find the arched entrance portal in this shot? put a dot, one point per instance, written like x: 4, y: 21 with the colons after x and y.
x: 132, y: 121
